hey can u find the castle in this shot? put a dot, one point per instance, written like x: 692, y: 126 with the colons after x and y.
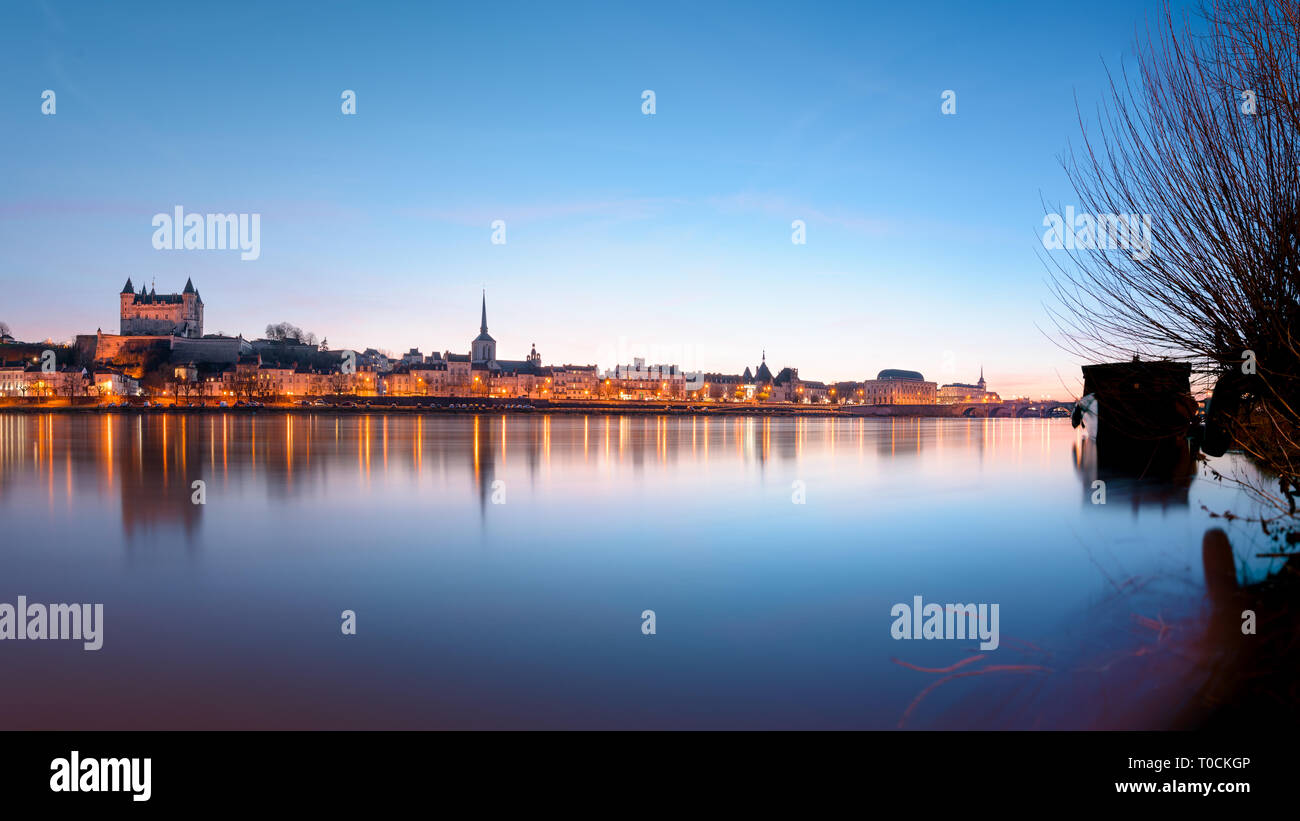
x: 149, y: 314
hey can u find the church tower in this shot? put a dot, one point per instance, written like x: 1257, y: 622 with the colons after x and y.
x: 484, y: 348
x: 981, y: 384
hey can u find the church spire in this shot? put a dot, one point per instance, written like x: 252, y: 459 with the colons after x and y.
x: 484, y: 347
x: 763, y: 374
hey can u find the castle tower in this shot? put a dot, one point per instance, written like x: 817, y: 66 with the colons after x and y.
x: 125, y: 299
x: 192, y: 311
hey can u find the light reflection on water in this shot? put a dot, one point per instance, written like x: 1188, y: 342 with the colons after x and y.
x: 526, y: 613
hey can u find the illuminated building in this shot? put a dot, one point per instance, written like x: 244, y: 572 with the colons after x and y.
x: 575, y: 381
x: 893, y: 386
x: 962, y: 392
x: 641, y: 381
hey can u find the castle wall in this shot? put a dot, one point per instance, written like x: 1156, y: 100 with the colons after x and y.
x: 108, y: 347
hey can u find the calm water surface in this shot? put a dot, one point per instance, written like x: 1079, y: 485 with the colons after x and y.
x: 499, y: 566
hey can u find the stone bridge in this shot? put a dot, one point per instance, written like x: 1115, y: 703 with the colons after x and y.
x: 1013, y: 409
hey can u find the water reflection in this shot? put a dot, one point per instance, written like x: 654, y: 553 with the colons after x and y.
x: 150, y: 461
x: 498, y: 566
x: 1109, y: 486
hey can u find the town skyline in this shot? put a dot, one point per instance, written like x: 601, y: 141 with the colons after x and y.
x: 161, y: 351
x: 682, y: 359
x: 921, y: 228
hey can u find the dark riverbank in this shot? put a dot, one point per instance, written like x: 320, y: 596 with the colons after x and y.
x: 448, y: 408
x: 457, y: 405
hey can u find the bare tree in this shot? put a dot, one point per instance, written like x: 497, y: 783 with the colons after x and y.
x: 342, y: 383
x: 284, y: 331
x: 1204, y: 142
x: 244, y: 386
x: 268, y: 389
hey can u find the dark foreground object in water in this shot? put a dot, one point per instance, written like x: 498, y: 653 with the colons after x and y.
x: 1252, y: 641
x: 1142, y: 414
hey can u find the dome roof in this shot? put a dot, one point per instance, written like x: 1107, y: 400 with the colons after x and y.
x: 895, y: 373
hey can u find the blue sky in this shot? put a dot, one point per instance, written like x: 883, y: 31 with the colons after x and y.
x: 664, y: 235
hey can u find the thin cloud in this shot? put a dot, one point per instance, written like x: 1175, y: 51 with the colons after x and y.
x: 478, y: 215
x: 778, y: 206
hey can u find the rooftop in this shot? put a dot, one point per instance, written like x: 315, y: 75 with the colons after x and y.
x: 896, y: 373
